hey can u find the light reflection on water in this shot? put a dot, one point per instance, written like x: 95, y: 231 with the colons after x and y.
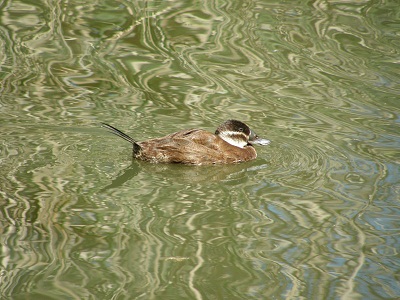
x: 315, y: 216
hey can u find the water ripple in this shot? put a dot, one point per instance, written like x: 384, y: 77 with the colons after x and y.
x: 79, y: 219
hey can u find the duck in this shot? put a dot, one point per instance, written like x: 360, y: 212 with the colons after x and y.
x: 233, y: 142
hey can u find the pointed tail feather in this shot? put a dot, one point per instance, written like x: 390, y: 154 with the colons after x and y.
x: 136, y: 146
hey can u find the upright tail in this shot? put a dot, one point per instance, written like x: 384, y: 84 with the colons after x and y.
x: 136, y: 146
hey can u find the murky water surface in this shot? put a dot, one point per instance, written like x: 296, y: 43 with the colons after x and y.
x: 315, y: 216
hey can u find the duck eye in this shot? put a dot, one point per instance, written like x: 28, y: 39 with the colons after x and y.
x: 241, y: 129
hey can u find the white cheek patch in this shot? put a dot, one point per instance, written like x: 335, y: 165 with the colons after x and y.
x: 234, y: 138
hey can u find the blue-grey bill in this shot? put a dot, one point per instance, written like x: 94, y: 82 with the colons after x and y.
x: 262, y: 142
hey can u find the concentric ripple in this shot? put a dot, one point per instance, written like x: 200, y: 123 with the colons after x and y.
x: 315, y: 214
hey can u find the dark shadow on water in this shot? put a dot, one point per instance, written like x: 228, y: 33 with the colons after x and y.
x: 123, y: 176
x: 185, y: 174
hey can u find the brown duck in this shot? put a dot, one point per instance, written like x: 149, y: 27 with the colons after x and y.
x: 232, y: 143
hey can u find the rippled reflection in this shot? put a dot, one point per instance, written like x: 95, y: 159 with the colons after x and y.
x: 315, y: 214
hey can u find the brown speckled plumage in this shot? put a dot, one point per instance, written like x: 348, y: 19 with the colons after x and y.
x: 197, y: 146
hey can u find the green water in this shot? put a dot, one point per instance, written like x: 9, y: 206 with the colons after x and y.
x: 315, y: 216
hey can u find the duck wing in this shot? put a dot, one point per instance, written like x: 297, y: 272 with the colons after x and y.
x: 192, y: 146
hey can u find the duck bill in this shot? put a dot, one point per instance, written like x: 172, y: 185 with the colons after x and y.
x: 261, y: 142
x: 256, y: 140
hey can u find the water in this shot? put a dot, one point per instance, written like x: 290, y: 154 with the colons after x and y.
x: 314, y: 217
